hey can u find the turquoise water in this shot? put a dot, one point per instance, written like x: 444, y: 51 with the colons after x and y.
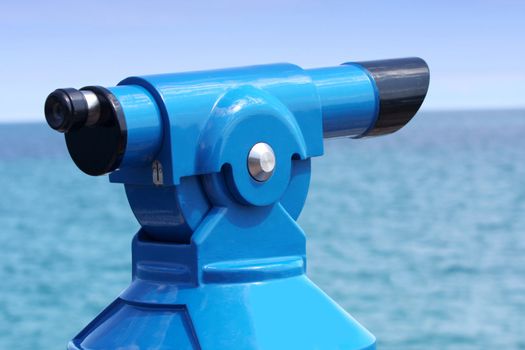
x: 419, y: 235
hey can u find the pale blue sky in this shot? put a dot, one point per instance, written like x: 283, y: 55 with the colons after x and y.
x: 475, y: 49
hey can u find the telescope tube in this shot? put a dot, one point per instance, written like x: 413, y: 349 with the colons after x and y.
x: 123, y: 126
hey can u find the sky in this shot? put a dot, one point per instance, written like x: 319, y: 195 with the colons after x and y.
x: 475, y: 49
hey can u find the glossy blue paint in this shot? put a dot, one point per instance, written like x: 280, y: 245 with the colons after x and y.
x: 220, y: 261
x: 349, y: 99
x: 143, y: 123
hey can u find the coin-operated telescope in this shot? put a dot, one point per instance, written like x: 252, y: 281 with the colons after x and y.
x: 216, y: 167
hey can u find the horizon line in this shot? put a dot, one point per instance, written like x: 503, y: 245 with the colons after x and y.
x: 425, y: 110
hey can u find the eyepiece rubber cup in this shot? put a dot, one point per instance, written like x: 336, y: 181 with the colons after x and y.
x: 66, y: 109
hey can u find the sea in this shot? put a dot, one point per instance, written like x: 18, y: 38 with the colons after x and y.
x: 420, y: 235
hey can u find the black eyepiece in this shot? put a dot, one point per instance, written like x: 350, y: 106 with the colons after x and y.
x: 93, y: 124
x: 66, y: 109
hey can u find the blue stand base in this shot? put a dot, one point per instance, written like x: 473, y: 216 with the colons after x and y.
x: 281, y: 309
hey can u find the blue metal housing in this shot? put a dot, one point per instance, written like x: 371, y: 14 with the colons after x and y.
x: 220, y: 261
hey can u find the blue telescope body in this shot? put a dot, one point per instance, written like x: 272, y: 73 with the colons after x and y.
x: 216, y: 167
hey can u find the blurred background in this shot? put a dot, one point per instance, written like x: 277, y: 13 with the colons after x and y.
x: 420, y: 235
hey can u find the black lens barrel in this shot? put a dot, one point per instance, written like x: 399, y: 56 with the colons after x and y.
x: 402, y: 85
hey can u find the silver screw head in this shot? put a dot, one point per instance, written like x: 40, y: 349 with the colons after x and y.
x: 261, y: 161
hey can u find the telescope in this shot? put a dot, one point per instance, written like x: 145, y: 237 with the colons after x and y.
x: 216, y: 167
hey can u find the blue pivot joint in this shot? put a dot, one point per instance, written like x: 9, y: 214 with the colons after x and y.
x: 216, y: 167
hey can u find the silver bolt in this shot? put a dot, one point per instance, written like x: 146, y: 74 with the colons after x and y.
x: 261, y: 161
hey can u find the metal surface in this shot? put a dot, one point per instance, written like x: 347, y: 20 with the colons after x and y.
x: 93, y: 107
x: 261, y: 161
x: 219, y: 261
x: 157, y: 173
